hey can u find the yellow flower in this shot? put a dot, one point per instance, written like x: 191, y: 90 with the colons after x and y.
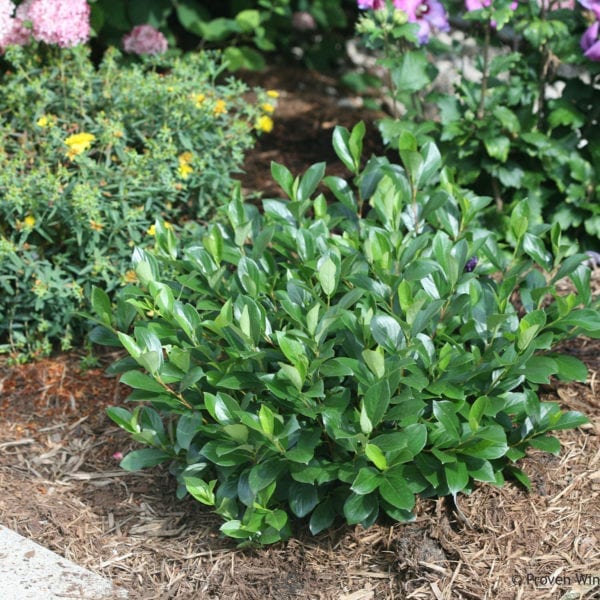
x: 43, y: 121
x: 96, y: 226
x: 29, y: 221
x: 268, y: 108
x: 264, y: 123
x: 273, y: 93
x: 152, y: 229
x: 130, y: 276
x: 79, y: 143
x: 185, y: 158
x: 184, y: 170
x: 199, y: 99
x: 220, y: 108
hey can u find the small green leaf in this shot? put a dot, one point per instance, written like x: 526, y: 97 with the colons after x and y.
x: 267, y: 419
x: 201, y: 490
x: 547, y: 443
x: 376, y: 456
x: 123, y: 418
x: 101, y: 305
x: 457, y: 476
x: 328, y: 274
x: 309, y: 181
x: 497, y: 147
x: 283, y: 177
x: 341, y: 145
x: 141, y: 381
x: 387, y: 332
x: 142, y: 459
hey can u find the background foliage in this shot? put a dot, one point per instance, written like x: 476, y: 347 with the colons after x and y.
x: 520, y: 119
x: 247, y: 31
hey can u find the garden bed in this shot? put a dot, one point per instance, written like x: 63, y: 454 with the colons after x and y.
x: 63, y: 488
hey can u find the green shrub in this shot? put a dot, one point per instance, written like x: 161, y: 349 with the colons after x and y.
x: 308, y: 361
x: 520, y: 122
x: 90, y: 158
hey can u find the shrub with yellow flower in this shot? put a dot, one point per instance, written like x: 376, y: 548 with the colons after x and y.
x: 29, y: 221
x: 78, y: 143
x: 273, y: 93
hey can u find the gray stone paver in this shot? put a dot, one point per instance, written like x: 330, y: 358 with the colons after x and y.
x: 29, y: 571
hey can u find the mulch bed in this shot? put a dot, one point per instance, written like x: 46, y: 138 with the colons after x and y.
x: 62, y: 487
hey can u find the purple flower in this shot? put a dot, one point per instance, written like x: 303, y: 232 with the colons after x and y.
x: 590, y: 42
x: 593, y: 5
x: 371, y: 4
x: 471, y: 264
x: 429, y: 14
x: 144, y: 39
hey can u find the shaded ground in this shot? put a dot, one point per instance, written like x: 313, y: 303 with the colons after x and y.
x: 61, y: 486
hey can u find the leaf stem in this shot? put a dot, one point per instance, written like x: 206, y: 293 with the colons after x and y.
x: 485, y: 73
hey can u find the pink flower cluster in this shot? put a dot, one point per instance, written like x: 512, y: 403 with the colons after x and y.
x: 144, y: 39
x: 65, y: 23
x: 590, y: 41
x: 428, y: 14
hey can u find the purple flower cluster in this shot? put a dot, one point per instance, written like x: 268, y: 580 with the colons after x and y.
x: 65, y: 23
x: 144, y: 39
x: 428, y: 14
x: 590, y: 41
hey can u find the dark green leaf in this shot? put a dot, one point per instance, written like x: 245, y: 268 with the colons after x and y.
x: 302, y: 498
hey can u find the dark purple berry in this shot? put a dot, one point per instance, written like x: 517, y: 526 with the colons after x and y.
x: 471, y: 264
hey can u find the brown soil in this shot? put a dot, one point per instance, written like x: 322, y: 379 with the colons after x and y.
x: 62, y: 487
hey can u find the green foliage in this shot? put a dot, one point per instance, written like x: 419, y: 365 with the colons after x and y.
x: 89, y: 159
x: 521, y: 124
x: 245, y: 30
x: 306, y: 361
